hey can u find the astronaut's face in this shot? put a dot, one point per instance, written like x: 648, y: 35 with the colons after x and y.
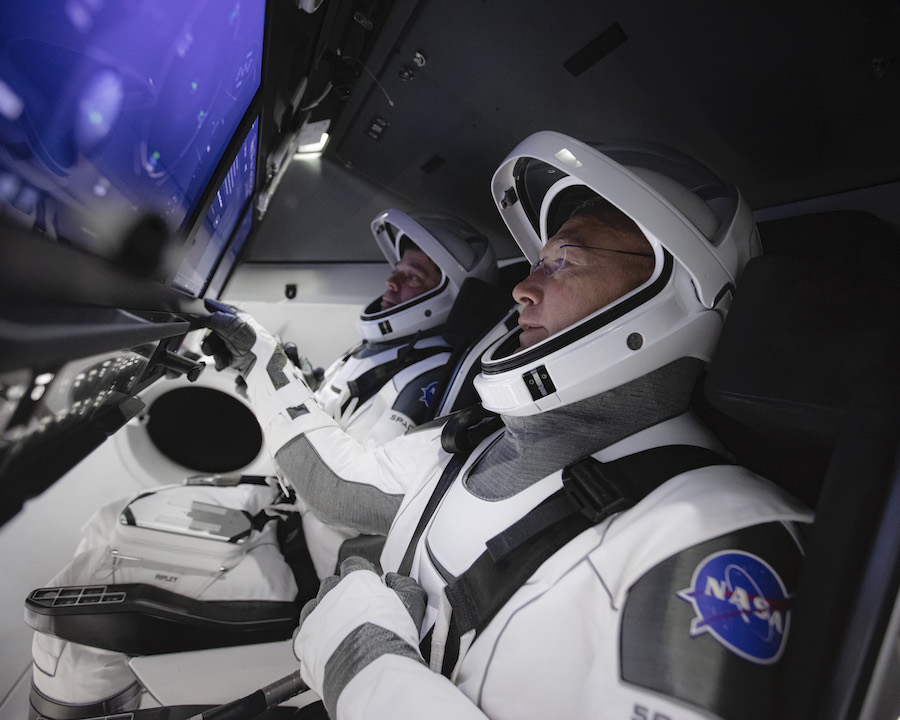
x: 584, y: 267
x: 412, y: 276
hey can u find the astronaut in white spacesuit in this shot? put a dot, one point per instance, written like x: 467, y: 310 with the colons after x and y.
x: 394, y: 379
x: 391, y: 382
x: 597, y: 555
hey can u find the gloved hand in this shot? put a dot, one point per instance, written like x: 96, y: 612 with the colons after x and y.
x: 355, y: 619
x: 236, y: 339
x: 312, y: 376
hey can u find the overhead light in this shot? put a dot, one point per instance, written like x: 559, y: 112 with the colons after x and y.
x: 309, y: 6
x: 312, y: 138
x: 313, y: 148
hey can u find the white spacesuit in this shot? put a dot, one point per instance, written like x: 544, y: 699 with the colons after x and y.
x: 669, y: 599
x: 391, y: 382
x: 403, y: 356
x: 396, y: 378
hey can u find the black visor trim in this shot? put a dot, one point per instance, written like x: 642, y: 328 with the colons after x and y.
x: 577, y: 332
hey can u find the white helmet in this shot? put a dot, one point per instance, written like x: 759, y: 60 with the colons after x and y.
x: 702, y: 234
x: 458, y: 250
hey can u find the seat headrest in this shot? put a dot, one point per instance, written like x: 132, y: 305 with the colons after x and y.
x: 812, y: 339
x: 802, y: 345
x: 478, y: 307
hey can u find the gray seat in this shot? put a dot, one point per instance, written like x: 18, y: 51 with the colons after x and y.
x: 804, y: 389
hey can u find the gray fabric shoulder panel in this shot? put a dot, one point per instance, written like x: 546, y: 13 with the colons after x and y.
x: 334, y: 499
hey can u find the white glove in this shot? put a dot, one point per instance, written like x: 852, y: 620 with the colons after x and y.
x: 355, y: 619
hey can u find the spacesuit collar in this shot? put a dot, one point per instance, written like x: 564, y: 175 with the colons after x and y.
x: 534, y: 446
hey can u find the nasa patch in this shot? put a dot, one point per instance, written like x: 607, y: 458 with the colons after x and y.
x: 740, y: 600
x: 428, y: 393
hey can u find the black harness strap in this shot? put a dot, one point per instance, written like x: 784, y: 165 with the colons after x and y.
x: 462, y: 432
x: 592, y: 491
x: 371, y: 381
x: 466, y: 428
x: 443, y: 484
x: 262, y: 518
x: 254, y: 480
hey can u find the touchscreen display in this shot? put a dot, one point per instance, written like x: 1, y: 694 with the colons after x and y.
x: 109, y: 110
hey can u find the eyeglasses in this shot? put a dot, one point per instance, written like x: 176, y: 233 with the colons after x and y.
x: 551, y: 266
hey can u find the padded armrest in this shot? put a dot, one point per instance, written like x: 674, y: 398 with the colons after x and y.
x: 139, y: 619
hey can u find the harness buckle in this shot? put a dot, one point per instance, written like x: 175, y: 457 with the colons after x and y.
x: 597, y: 490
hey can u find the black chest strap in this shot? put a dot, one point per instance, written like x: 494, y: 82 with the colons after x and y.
x: 370, y: 382
x: 462, y: 432
x: 592, y: 491
x: 443, y: 484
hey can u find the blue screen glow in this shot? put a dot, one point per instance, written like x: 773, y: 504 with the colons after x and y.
x: 230, y: 256
x: 113, y: 109
x: 206, y: 246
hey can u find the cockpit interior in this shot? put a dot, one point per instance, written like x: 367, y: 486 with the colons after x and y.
x: 157, y: 154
